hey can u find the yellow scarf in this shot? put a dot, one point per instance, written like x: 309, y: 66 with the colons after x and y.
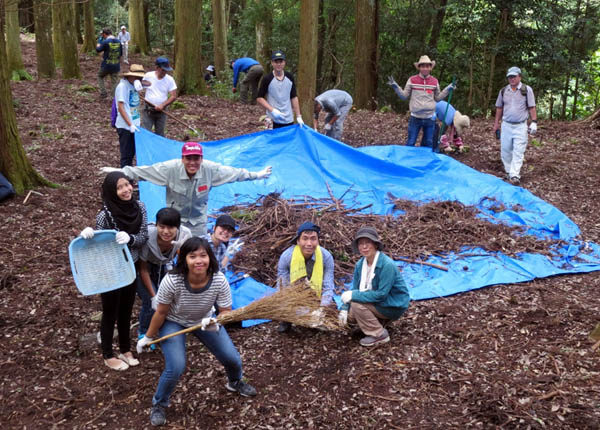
x: 298, y: 269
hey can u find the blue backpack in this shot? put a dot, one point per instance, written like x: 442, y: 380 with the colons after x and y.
x: 113, y: 113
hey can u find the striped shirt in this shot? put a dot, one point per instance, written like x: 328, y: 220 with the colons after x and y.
x: 188, y: 306
x: 104, y: 221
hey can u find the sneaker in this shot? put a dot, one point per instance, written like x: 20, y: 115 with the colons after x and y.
x: 284, y: 327
x: 515, y: 181
x: 158, y: 416
x: 241, y: 387
x: 372, y: 341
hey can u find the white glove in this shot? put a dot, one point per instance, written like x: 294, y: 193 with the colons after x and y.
x: 109, y: 169
x: 133, y: 128
x: 346, y: 297
x: 122, y: 238
x: 209, y: 324
x: 392, y: 82
x: 277, y: 115
x: 451, y: 87
x: 317, y: 317
x: 155, y: 301
x: 327, y: 127
x: 142, y: 343
x: 300, y: 121
x: 137, y: 84
x: 87, y: 233
x: 532, y: 128
x: 264, y: 173
x: 234, y: 247
x: 343, y: 318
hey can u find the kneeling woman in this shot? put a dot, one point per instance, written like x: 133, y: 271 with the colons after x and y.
x: 378, y: 293
x: 185, y: 298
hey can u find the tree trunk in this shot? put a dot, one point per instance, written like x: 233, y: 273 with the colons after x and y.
x: 57, y: 32
x: 436, y: 28
x: 499, y: 34
x: 365, y: 53
x: 321, y: 48
x: 43, y: 39
x: 188, y: 47
x: 26, y: 19
x: 334, y: 70
x: 77, y: 20
x: 219, y: 35
x: 565, y: 95
x: 70, y: 56
x: 16, y: 70
x: 263, y: 28
x: 89, y: 32
x: 14, y: 164
x: 307, y: 67
x: 137, y: 28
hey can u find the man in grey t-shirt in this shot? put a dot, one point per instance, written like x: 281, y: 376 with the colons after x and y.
x: 514, y: 104
x: 337, y: 104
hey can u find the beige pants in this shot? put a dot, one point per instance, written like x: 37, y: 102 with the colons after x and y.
x: 368, y: 319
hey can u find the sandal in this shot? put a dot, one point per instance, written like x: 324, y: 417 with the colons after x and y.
x: 129, y: 359
x: 118, y: 365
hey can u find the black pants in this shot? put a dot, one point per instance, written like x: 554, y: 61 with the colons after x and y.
x: 127, y: 146
x: 116, y: 307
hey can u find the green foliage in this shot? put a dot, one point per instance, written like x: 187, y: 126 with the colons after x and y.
x: 86, y: 88
x: 177, y: 104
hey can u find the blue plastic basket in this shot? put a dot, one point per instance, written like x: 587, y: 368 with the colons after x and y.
x: 100, y: 264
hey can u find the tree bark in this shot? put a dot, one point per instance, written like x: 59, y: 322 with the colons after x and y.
x: 263, y: 28
x: 43, y: 39
x: 219, y: 35
x: 365, y: 53
x: 70, y: 56
x: 137, y: 28
x: 13, y: 41
x: 57, y: 32
x: 307, y: 67
x: 89, y: 32
x: 436, y: 28
x: 565, y: 95
x: 188, y: 47
x: 321, y: 47
x: 77, y: 19
x: 14, y: 164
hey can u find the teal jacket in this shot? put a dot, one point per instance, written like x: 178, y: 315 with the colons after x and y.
x: 389, y: 293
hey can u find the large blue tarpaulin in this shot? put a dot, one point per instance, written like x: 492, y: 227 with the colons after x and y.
x: 304, y: 162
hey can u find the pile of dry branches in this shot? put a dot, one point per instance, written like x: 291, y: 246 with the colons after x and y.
x: 268, y: 227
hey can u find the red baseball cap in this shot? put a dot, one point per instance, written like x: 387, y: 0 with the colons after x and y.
x: 191, y: 148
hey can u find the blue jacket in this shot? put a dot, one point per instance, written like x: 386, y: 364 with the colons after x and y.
x: 242, y: 65
x: 389, y: 293
x: 111, y: 46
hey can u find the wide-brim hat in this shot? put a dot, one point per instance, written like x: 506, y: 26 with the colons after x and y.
x: 371, y: 234
x: 135, y: 70
x: 424, y: 60
x: 461, y: 122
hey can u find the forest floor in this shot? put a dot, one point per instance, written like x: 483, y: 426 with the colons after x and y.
x: 510, y: 356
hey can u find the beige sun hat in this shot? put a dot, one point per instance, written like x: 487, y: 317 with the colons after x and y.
x: 135, y: 70
x: 461, y: 122
x: 424, y: 60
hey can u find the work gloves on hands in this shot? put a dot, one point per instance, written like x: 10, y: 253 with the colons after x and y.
x: 346, y: 297
x: 209, y: 324
x: 451, y: 87
x: 133, y: 128
x: 264, y: 173
x: 233, y: 247
x: 392, y: 82
x: 108, y: 169
x: 137, y: 84
x: 343, y: 318
x: 87, y: 233
x: 327, y: 127
x: 300, y: 121
x: 142, y: 343
x: 122, y: 238
x: 533, y: 128
x: 277, y: 115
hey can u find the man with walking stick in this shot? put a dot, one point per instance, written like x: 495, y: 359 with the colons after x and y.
x: 159, y: 95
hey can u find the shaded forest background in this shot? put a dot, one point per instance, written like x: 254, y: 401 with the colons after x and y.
x: 555, y: 42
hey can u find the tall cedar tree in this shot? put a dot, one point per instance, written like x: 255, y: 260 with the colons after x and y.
x: 219, y: 13
x: 188, y: 47
x: 365, y: 54
x: 43, y: 39
x: 307, y: 70
x: 137, y: 27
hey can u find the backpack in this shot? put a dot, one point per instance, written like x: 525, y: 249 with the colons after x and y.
x: 113, y: 113
x: 523, y: 93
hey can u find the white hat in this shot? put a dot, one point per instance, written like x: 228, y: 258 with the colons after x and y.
x: 424, y: 60
x: 123, y: 27
x: 461, y: 122
x: 211, y: 68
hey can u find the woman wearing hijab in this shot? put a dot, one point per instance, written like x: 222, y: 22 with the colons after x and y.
x: 128, y: 216
x: 378, y: 293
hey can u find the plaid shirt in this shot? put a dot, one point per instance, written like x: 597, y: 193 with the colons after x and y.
x: 105, y: 221
x: 219, y: 251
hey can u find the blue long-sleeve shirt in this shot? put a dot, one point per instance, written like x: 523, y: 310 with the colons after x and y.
x: 242, y: 65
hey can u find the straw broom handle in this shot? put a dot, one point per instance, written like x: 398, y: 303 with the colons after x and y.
x: 173, y: 117
x: 177, y: 333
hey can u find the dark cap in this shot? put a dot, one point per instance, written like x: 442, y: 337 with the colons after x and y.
x: 225, y: 221
x: 307, y: 226
x: 369, y: 233
x: 163, y: 63
x: 277, y: 55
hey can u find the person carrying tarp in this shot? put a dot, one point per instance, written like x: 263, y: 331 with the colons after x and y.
x: 423, y: 91
x: 337, y: 104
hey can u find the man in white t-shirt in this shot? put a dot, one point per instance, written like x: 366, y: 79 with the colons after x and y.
x: 124, y: 37
x: 128, y: 116
x: 159, y: 95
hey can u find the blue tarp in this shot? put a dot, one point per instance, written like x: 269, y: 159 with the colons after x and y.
x: 304, y: 161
